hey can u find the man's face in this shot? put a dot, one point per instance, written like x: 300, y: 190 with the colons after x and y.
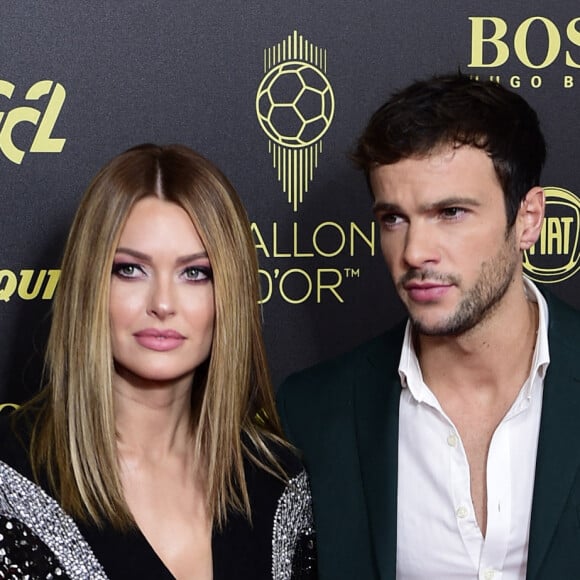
x: 444, y: 237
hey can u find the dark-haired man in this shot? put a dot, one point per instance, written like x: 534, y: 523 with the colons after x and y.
x: 449, y: 447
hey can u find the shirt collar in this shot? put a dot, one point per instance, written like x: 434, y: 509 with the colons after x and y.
x: 412, y: 377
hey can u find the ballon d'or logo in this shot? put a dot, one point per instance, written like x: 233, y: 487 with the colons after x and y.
x: 295, y: 107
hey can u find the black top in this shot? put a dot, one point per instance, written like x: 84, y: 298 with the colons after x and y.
x: 39, y: 540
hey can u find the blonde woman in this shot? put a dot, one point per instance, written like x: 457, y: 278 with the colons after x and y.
x: 154, y: 450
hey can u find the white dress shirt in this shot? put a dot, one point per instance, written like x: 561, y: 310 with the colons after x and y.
x: 437, y: 533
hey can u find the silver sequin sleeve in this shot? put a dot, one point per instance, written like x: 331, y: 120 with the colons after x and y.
x: 293, y: 538
x: 23, y: 501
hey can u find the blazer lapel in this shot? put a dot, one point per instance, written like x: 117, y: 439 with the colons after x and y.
x: 558, y: 456
x: 377, y: 396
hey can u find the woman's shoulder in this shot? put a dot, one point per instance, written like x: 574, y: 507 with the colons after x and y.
x: 279, y: 541
x: 39, y: 539
x: 287, y: 456
x: 271, y: 461
x: 293, y: 538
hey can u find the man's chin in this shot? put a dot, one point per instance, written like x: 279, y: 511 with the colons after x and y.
x: 445, y: 327
x: 426, y: 329
x: 429, y: 322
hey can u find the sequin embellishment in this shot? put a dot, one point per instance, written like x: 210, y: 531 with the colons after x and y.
x: 293, y: 525
x: 23, y: 501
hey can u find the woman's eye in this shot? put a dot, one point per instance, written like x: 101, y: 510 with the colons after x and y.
x: 197, y: 273
x: 127, y: 270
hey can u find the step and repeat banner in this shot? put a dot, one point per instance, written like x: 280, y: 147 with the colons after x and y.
x: 275, y: 93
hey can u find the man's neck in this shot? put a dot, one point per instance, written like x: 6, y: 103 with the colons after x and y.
x: 493, y: 357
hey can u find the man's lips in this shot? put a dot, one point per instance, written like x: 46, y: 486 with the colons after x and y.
x: 426, y: 291
x: 159, y: 340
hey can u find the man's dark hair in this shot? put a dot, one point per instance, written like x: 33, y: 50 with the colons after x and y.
x: 454, y: 110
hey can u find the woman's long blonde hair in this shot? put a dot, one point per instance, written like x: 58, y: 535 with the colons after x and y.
x: 232, y: 408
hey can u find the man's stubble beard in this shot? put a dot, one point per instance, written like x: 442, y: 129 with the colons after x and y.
x: 482, y: 299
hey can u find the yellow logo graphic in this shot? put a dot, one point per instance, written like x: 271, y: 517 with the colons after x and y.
x: 30, y: 286
x: 43, y: 142
x: 490, y: 48
x: 556, y: 255
x: 295, y: 107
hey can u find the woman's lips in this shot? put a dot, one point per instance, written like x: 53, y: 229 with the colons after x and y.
x: 159, y: 340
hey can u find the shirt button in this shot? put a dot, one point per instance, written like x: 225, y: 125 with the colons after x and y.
x: 489, y: 574
x: 461, y: 512
x: 452, y: 440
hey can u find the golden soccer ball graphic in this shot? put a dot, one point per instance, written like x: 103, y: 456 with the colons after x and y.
x: 295, y: 104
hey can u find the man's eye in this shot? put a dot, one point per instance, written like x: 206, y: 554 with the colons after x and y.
x: 452, y: 212
x: 390, y: 219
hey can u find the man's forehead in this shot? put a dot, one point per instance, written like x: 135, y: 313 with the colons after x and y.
x: 448, y: 172
x: 438, y: 157
x: 441, y: 153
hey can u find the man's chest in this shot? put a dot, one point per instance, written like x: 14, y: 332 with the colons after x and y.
x: 444, y: 479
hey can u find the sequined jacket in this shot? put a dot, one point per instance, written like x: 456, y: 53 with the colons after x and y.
x: 39, y: 540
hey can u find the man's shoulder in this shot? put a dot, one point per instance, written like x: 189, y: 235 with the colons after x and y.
x: 560, y: 311
x: 563, y: 319
x: 382, y: 351
x: 563, y: 332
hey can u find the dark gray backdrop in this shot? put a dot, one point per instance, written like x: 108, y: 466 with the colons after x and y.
x: 184, y: 71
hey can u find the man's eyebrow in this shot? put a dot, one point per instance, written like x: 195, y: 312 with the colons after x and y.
x: 452, y: 201
x: 384, y: 206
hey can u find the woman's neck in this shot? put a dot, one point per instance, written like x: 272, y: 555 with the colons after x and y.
x: 153, y: 419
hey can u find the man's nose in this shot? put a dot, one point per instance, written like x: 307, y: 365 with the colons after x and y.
x: 420, y: 245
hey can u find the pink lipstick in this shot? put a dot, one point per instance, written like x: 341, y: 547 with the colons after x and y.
x: 159, y: 340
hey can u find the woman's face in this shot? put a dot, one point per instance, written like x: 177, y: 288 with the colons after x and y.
x: 161, y: 302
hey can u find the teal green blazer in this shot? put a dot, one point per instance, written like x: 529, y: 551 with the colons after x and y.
x: 344, y: 416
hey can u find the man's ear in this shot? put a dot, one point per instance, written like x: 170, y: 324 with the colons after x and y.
x: 530, y: 217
